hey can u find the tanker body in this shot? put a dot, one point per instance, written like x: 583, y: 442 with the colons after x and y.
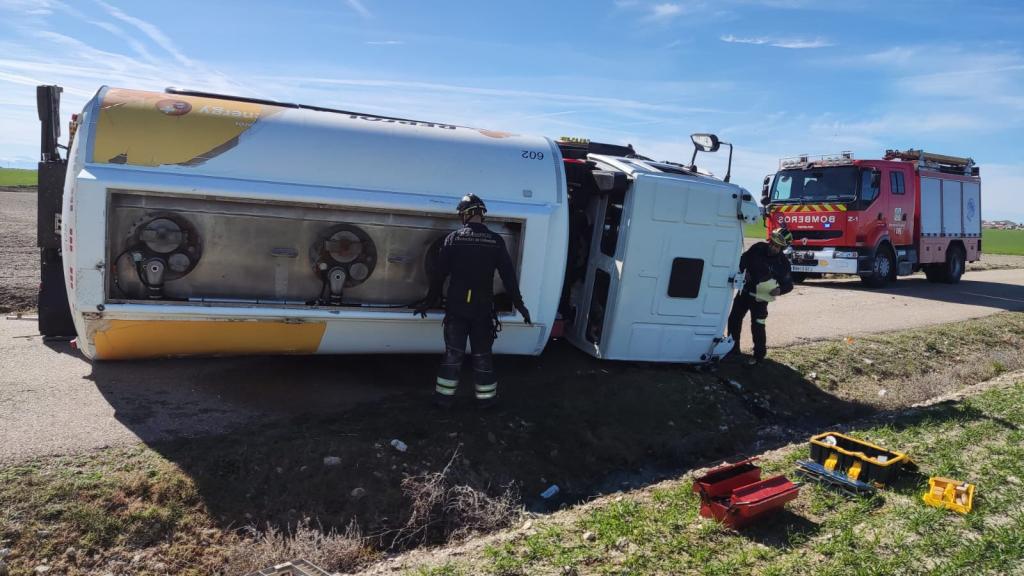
x: 201, y: 224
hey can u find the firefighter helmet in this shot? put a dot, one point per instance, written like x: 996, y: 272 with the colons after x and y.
x: 471, y: 204
x: 781, y: 237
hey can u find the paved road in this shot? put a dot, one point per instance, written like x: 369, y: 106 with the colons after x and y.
x: 834, y: 308
x: 54, y: 401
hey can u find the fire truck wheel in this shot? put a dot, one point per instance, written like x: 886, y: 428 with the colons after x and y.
x: 881, y: 269
x: 799, y: 277
x: 954, y: 267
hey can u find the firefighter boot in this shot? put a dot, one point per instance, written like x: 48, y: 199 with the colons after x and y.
x: 486, y: 382
x: 448, y: 377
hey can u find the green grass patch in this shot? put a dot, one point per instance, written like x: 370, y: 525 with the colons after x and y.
x: 1002, y: 241
x: 755, y: 230
x: 980, y: 440
x: 17, y: 177
x: 109, y: 504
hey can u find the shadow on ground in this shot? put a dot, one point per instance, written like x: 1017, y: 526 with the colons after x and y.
x: 589, y: 426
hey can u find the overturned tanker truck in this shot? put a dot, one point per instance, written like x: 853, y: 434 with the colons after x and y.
x: 187, y: 223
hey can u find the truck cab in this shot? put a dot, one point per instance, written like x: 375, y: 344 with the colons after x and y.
x: 864, y: 217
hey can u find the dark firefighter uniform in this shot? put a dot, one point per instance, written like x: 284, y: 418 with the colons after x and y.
x: 763, y: 262
x: 469, y: 257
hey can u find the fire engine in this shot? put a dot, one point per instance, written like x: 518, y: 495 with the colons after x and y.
x: 187, y: 223
x: 879, y: 219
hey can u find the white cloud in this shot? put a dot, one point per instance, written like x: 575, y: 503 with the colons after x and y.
x: 359, y: 7
x: 120, y: 34
x: 384, y: 42
x: 666, y: 11
x: 150, y: 30
x: 799, y: 44
x: 641, y: 109
x: 791, y: 43
x: 950, y: 77
x: 28, y: 7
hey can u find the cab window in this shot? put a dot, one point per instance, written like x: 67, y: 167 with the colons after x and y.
x: 896, y: 183
x: 783, y: 187
x: 870, y: 180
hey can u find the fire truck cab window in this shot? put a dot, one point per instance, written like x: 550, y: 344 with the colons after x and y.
x: 869, y: 186
x: 783, y: 187
x: 896, y: 183
x: 828, y: 184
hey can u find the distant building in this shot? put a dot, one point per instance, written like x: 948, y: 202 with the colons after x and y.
x: 1002, y: 225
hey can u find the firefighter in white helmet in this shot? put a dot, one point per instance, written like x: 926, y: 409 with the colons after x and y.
x: 767, y: 275
x: 470, y: 256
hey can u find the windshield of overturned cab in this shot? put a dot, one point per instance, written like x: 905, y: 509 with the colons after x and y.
x: 831, y: 184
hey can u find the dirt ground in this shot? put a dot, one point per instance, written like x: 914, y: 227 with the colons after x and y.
x: 589, y: 427
x: 19, y: 257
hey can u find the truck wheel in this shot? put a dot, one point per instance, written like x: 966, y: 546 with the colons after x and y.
x: 954, y: 267
x: 798, y: 277
x: 882, y: 268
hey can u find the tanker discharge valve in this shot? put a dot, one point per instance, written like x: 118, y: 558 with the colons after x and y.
x: 343, y: 257
x: 153, y: 270
x: 336, y: 282
x: 164, y: 247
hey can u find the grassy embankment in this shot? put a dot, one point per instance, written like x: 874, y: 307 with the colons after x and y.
x: 1003, y: 242
x: 822, y: 533
x: 15, y: 177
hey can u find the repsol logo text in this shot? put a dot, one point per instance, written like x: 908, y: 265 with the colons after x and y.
x: 406, y: 122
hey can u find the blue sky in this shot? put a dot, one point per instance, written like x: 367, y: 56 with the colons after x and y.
x: 775, y: 77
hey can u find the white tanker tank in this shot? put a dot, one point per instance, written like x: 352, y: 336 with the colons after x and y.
x: 199, y: 224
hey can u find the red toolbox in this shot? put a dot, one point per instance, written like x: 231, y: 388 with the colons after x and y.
x: 736, y: 495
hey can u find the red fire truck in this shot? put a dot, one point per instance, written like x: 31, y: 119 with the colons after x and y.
x: 879, y: 219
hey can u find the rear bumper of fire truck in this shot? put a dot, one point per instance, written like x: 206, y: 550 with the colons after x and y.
x: 825, y: 261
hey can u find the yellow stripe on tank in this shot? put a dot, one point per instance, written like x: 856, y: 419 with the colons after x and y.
x: 128, y: 339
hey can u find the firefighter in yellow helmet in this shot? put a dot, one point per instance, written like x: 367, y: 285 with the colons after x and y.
x: 767, y: 275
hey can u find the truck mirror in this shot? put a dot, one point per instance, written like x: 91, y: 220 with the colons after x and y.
x: 766, y: 186
x: 705, y: 142
x: 709, y: 143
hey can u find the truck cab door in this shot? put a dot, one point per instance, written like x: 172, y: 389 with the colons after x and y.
x: 901, y: 207
x: 874, y: 217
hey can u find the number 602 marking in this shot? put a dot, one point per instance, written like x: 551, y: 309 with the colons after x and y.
x: 531, y: 155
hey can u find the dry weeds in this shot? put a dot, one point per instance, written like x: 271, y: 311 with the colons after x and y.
x: 443, y: 511
x: 329, y: 550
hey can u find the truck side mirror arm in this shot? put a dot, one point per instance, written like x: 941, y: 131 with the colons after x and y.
x: 728, y: 170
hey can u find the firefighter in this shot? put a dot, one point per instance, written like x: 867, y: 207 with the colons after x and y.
x: 767, y: 275
x: 470, y: 255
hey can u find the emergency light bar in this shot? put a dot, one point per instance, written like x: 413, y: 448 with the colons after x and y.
x: 804, y: 160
